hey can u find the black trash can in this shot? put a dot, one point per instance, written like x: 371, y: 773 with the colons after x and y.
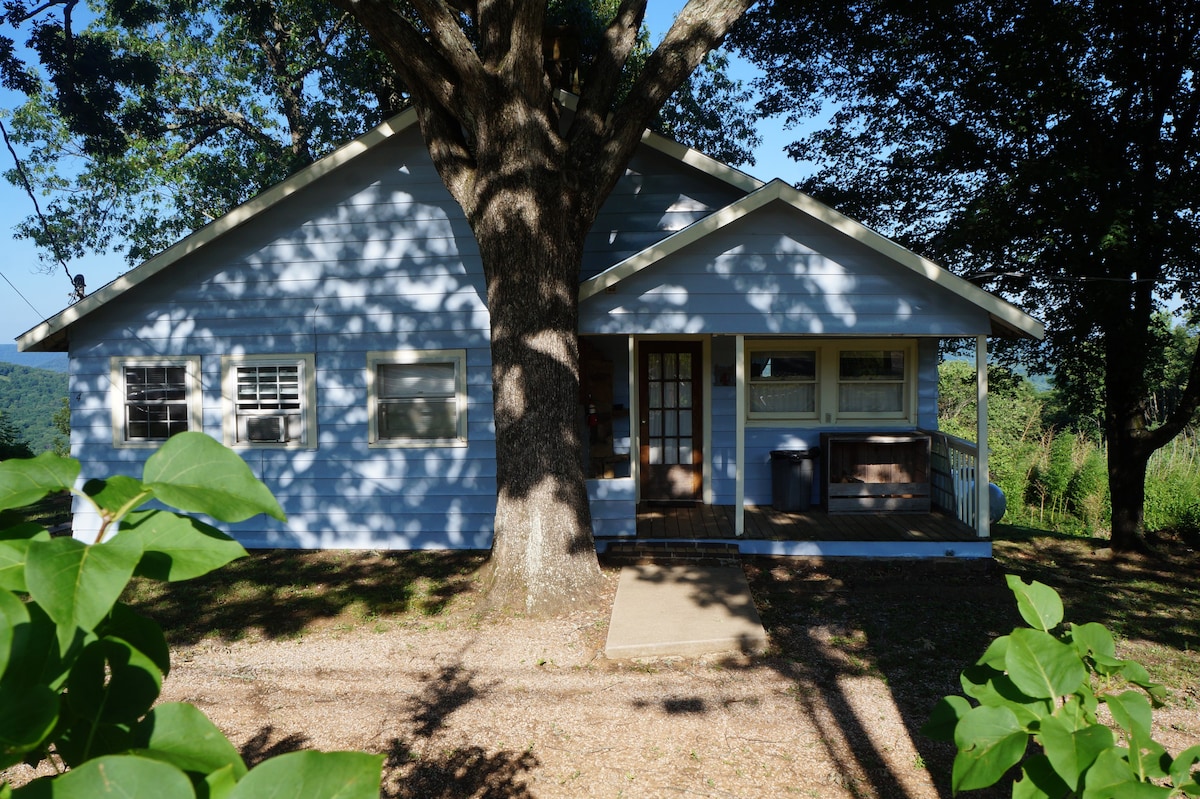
x: 791, y: 478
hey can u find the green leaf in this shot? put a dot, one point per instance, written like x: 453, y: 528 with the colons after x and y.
x: 115, y: 492
x: 990, y: 741
x: 12, y: 615
x: 996, y: 689
x: 1181, y: 768
x: 314, y: 775
x: 1072, y: 751
x: 1038, y: 604
x: 35, y: 657
x: 12, y: 562
x: 1136, y: 673
x: 195, y: 473
x: 1042, y: 666
x: 1093, y: 639
x: 28, y: 714
x: 219, y: 783
x: 142, y: 633
x: 944, y: 718
x: 1111, y: 777
x: 113, y: 683
x: 25, y: 481
x: 1039, y: 780
x: 1132, y: 711
x: 180, y: 734
x: 994, y: 655
x: 178, y: 547
x: 77, y: 584
x: 115, y: 776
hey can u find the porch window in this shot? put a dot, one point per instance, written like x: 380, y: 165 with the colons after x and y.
x: 830, y: 382
x: 154, y: 399
x: 417, y: 398
x: 871, y: 382
x: 783, y: 383
x: 269, y: 400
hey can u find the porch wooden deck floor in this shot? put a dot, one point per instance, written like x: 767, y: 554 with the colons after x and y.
x: 700, y: 522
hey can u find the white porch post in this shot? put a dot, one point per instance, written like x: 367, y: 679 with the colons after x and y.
x: 983, y: 511
x: 739, y: 513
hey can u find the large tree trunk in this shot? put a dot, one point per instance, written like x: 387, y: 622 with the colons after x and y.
x: 544, y: 556
x: 1127, y: 464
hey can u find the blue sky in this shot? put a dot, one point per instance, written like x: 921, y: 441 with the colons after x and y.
x: 31, y: 295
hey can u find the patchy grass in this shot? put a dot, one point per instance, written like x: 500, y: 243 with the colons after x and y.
x: 284, y: 593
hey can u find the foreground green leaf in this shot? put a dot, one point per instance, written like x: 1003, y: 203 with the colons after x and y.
x: 115, y: 777
x: 314, y: 775
x: 77, y: 584
x: 1038, y: 603
x: 196, y: 473
x: 113, y: 683
x: 183, y: 736
x: 178, y: 547
x: 1072, y: 751
x: 1042, y: 666
x: 990, y: 741
x: 944, y: 718
x: 25, y: 481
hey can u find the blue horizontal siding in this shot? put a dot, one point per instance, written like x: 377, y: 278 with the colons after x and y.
x: 780, y: 272
x: 375, y: 257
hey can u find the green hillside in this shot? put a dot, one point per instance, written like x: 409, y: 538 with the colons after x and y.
x: 29, y: 399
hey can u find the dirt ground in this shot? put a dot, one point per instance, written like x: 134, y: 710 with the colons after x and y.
x: 464, y: 707
x: 521, y: 709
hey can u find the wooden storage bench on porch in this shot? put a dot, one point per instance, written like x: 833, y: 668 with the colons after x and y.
x: 871, y: 472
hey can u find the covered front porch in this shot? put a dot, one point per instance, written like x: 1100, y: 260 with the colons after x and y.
x: 813, y: 533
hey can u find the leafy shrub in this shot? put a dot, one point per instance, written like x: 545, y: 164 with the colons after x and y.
x: 1044, y: 684
x: 1087, y: 492
x: 80, y: 672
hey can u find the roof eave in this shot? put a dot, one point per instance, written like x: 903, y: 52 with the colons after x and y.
x: 45, y: 336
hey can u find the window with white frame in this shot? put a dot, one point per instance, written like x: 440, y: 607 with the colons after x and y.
x: 830, y: 381
x: 417, y: 398
x: 153, y: 399
x: 269, y: 400
x: 782, y: 383
x: 872, y: 382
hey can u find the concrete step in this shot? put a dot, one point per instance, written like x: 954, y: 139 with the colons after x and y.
x: 668, y: 553
x: 663, y: 611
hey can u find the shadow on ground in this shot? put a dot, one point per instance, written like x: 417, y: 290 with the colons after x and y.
x: 281, y: 593
x: 413, y: 769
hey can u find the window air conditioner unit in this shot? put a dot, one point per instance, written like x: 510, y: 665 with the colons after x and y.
x: 266, y: 429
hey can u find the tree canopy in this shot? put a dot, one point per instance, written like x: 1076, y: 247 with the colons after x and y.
x: 1048, y: 148
x: 246, y: 94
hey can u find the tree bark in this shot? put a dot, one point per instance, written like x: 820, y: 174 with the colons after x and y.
x: 543, y: 556
x: 531, y: 191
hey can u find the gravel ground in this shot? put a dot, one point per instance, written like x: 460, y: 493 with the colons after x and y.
x: 464, y: 707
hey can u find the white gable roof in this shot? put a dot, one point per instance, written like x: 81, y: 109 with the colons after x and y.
x: 1003, y: 313
x: 51, y: 334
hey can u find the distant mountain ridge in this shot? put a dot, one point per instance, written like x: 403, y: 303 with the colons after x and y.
x: 50, y: 361
x: 29, y: 399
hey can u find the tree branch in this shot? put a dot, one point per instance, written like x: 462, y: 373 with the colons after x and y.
x: 699, y: 28
x: 437, y: 69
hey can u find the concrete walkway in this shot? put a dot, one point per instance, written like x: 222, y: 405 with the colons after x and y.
x: 683, y: 610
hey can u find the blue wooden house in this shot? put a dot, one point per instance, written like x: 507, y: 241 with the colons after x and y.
x: 333, y: 330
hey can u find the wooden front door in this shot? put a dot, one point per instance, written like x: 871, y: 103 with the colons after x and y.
x: 670, y: 421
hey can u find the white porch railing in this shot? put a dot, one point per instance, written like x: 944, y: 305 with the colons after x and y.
x: 954, y: 462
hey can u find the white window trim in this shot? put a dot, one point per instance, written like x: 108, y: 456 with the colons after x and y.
x: 308, y: 399
x: 375, y: 358
x: 785, y: 347
x: 828, y: 381
x: 117, y: 365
